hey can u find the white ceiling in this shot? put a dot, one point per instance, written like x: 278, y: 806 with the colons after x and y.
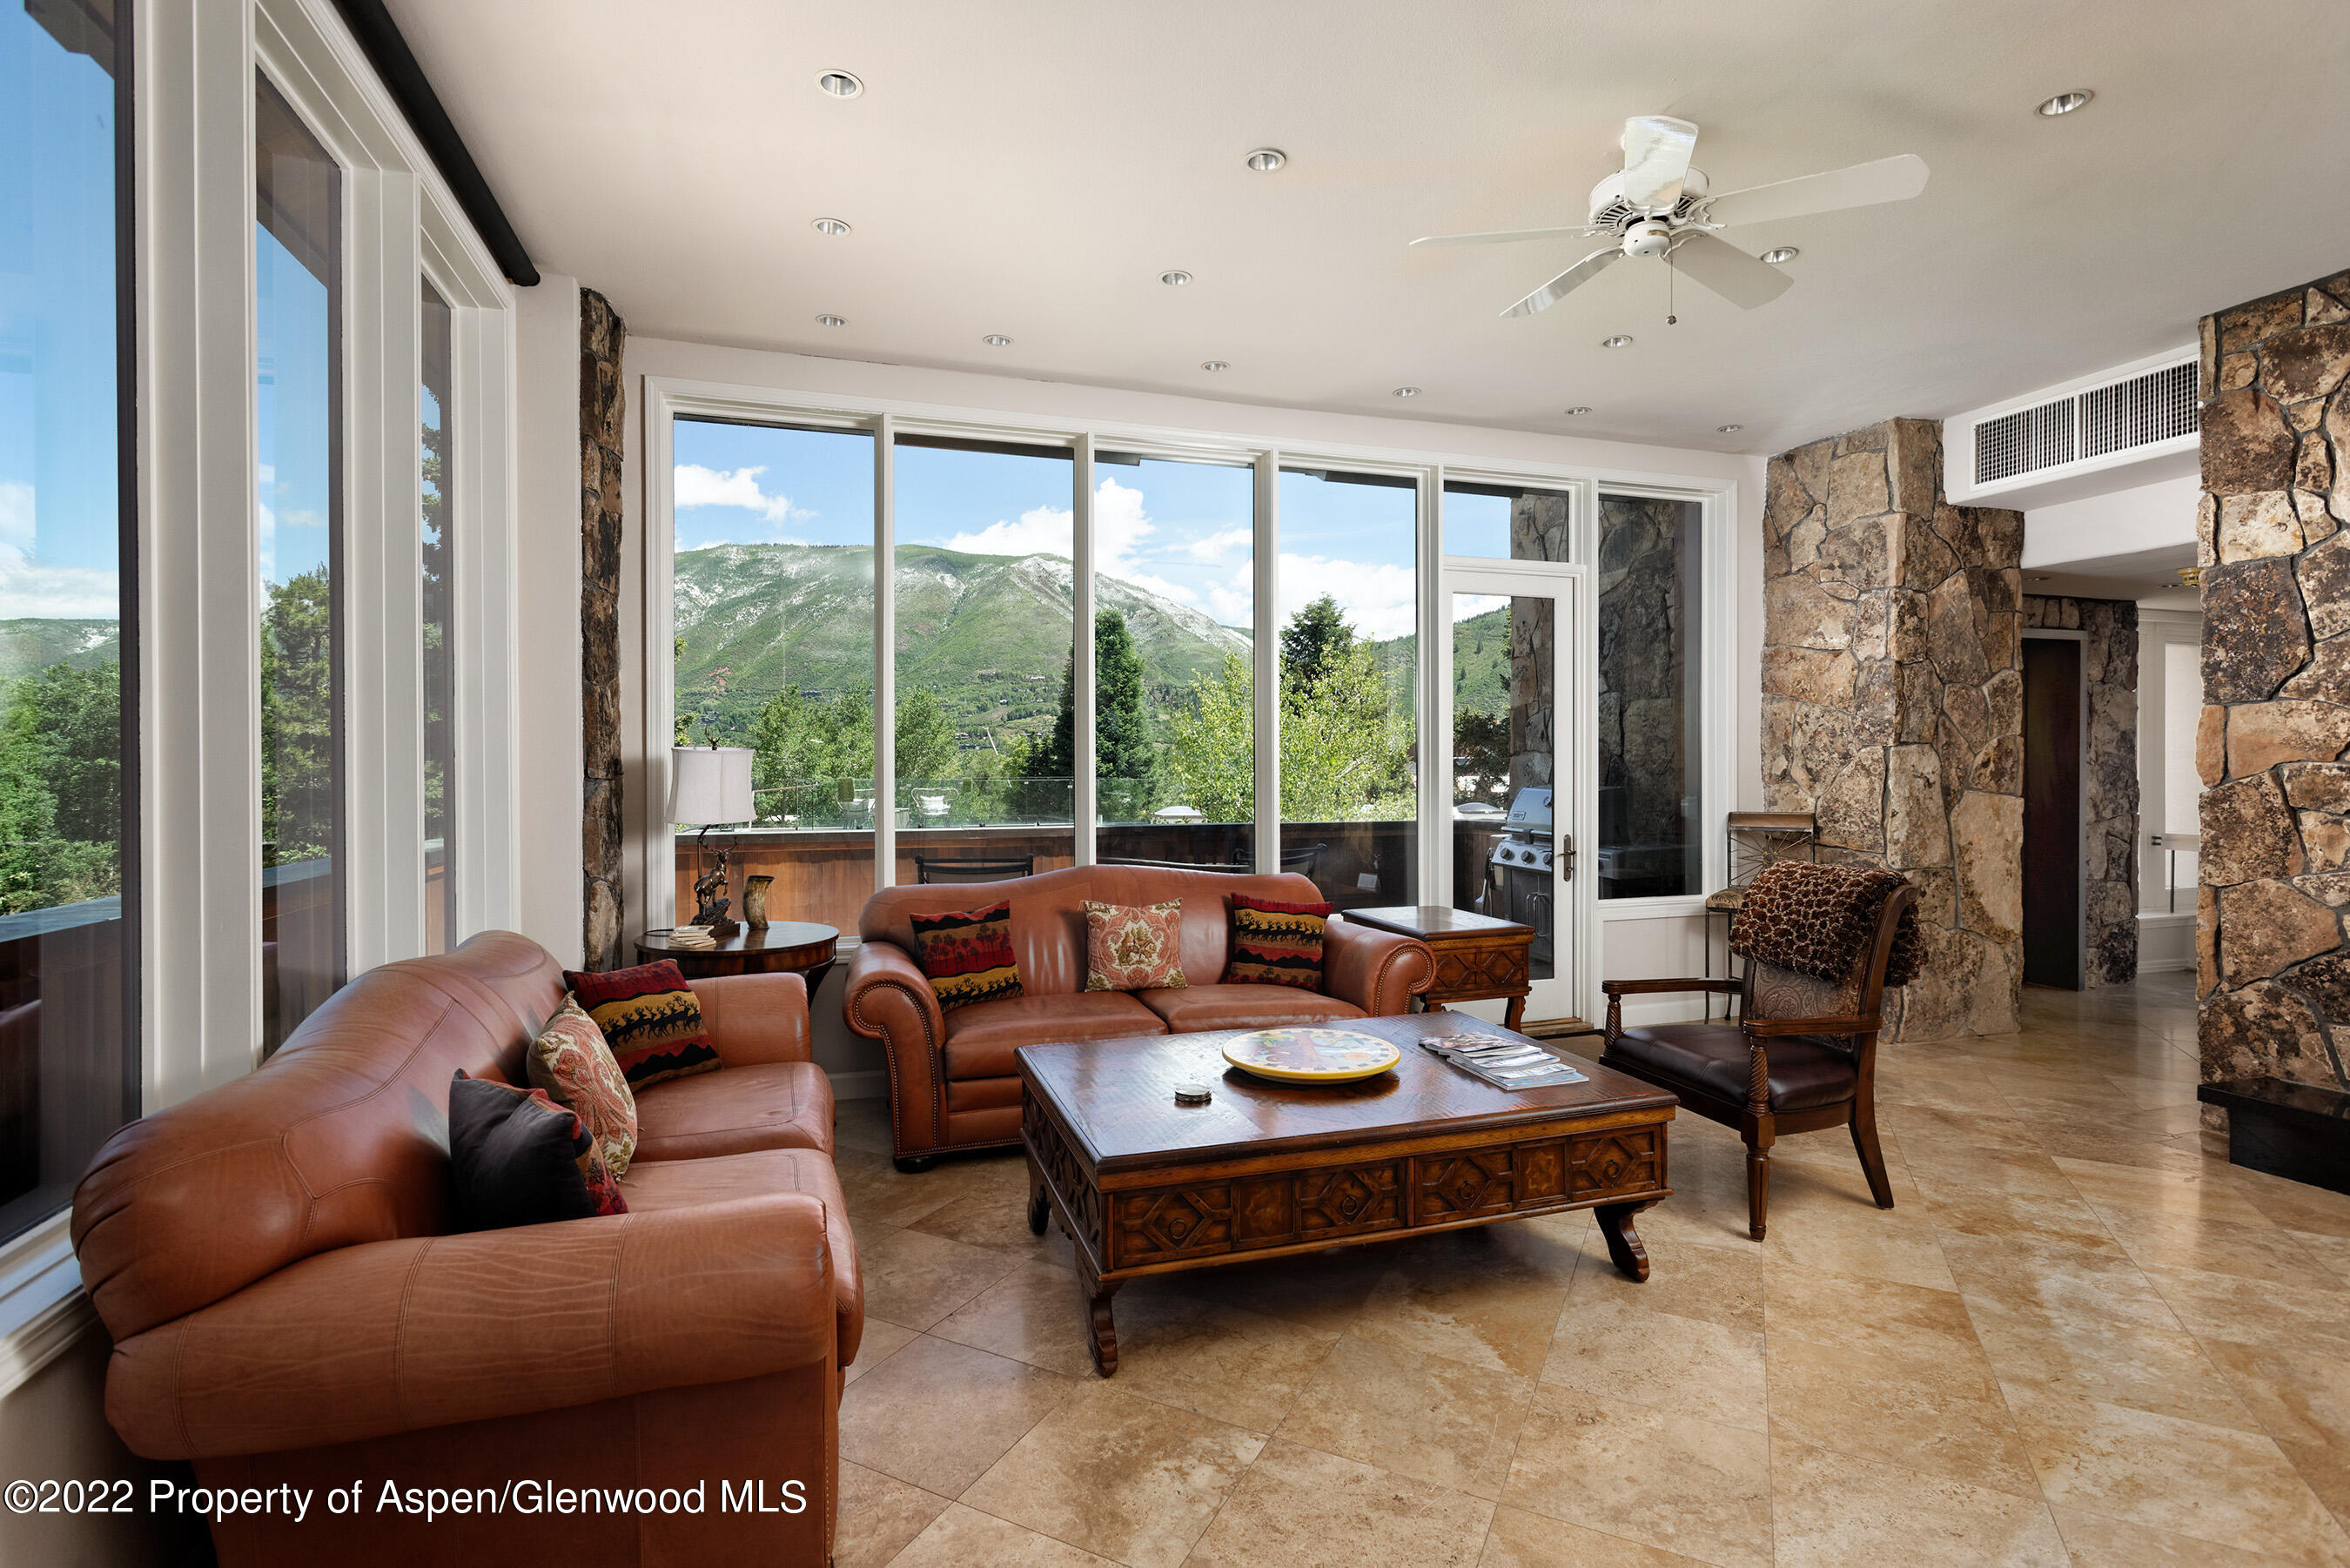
x: 1030, y: 168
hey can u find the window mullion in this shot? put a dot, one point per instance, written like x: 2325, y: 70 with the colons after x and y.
x: 1085, y: 784
x: 885, y: 653
x: 1267, y: 634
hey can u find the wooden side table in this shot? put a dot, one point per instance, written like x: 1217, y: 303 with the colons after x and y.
x: 1478, y: 958
x: 787, y: 947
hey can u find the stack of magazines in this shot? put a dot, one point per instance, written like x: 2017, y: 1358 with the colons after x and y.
x: 1506, y: 1064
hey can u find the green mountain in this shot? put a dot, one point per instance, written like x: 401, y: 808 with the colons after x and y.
x: 989, y: 635
x: 1480, y: 664
x: 30, y: 645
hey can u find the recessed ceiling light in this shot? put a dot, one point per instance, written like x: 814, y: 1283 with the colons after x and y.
x: 996, y: 340
x: 2067, y: 102
x: 1406, y: 391
x: 1265, y: 160
x: 1729, y: 430
x: 832, y: 321
x: 1214, y: 365
x: 1781, y: 255
x: 1176, y: 279
x: 832, y: 226
x: 1579, y: 410
x: 840, y: 84
x: 1618, y: 341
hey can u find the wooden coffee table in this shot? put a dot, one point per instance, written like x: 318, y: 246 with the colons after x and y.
x: 1144, y: 1186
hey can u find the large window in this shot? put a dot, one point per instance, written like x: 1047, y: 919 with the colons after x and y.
x: 1349, y: 663
x: 1651, y: 678
x: 773, y: 624
x: 297, y: 345
x: 434, y: 459
x: 68, y: 1062
x: 1174, y: 709
x: 986, y: 658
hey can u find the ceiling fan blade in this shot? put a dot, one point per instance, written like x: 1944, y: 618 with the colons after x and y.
x: 1502, y: 236
x: 1728, y: 270
x: 1895, y: 179
x: 1556, y: 289
x: 1656, y: 149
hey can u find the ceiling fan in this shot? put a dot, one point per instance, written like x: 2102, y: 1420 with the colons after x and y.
x: 1660, y: 206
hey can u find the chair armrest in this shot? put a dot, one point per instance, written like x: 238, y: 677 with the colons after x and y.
x: 393, y: 1336
x: 1772, y: 1028
x: 1378, y: 972
x: 1663, y: 987
x: 756, y: 1018
x: 882, y: 974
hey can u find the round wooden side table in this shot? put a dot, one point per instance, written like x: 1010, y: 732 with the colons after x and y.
x: 802, y: 947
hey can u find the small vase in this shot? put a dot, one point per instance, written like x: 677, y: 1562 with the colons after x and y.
x: 754, y: 901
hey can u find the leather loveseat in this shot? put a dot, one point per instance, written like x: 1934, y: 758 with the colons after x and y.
x: 953, y: 1082
x: 273, y: 1261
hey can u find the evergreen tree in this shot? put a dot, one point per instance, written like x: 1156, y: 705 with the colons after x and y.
x: 297, y: 711
x: 1126, y: 760
x: 1313, y: 643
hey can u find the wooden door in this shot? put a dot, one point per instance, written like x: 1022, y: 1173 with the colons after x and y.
x: 2052, y: 812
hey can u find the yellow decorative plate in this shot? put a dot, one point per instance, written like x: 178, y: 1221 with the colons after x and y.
x: 1311, y: 1055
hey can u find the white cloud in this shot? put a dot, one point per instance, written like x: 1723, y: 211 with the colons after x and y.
x: 1233, y: 605
x: 1379, y: 601
x: 695, y: 485
x: 1219, y: 545
x: 52, y: 593
x: 1041, y: 531
x: 1158, y: 586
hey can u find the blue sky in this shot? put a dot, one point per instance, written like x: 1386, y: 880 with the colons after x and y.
x: 60, y: 522
x: 1181, y: 530
x: 291, y: 324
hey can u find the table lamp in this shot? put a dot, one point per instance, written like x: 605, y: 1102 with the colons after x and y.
x: 708, y: 786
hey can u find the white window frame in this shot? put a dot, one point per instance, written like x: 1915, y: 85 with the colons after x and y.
x: 193, y: 66
x: 664, y: 398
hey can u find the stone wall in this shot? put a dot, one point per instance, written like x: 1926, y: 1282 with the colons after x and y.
x: 2273, y: 971
x: 1893, y: 700
x: 2108, y: 774
x: 603, y: 400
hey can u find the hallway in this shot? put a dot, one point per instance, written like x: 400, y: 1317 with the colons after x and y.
x: 2079, y: 1337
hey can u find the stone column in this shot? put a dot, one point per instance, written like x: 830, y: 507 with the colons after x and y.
x: 2273, y: 970
x: 602, y: 402
x: 1893, y: 700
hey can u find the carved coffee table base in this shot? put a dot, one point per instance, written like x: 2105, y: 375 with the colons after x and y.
x: 1172, y: 1212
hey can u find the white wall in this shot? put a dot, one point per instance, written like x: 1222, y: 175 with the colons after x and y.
x: 2160, y: 515
x: 1662, y: 945
x: 2169, y: 701
x: 546, y: 328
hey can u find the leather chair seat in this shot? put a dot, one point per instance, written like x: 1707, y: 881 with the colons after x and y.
x: 736, y: 1110
x: 981, y: 1037
x: 655, y: 1184
x: 1188, y: 1010
x: 1714, y: 1059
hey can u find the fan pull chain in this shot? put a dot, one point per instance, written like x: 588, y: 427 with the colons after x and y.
x: 1670, y: 272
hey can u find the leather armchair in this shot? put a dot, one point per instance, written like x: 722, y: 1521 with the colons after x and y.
x: 953, y: 1082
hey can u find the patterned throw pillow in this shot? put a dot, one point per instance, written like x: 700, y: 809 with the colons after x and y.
x: 516, y: 1157
x: 967, y: 956
x: 571, y: 1062
x: 1277, y: 944
x: 649, y: 1019
x: 1134, y: 947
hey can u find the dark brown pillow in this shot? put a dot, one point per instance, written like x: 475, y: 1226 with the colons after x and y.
x: 516, y: 1157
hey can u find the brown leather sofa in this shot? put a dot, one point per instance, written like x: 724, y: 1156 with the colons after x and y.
x: 273, y: 1258
x: 953, y: 1082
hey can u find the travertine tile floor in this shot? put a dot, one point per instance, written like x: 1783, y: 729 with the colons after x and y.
x: 2080, y: 1336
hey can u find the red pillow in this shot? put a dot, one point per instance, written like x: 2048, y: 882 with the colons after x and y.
x: 1277, y: 944
x: 649, y: 1019
x: 967, y: 955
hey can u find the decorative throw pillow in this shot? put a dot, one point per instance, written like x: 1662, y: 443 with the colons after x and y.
x: 571, y: 1062
x: 967, y: 956
x: 1277, y: 944
x: 516, y: 1157
x: 649, y: 1019
x: 1134, y: 947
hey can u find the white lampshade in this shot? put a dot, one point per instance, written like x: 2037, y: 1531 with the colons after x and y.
x: 710, y: 785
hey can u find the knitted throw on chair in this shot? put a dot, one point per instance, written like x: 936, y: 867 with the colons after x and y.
x: 1819, y: 920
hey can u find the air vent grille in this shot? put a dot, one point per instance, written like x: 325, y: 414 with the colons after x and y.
x: 2153, y: 407
x: 2157, y: 406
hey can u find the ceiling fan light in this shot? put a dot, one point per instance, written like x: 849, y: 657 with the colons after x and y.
x: 1780, y: 255
x: 839, y: 84
x: 834, y: 227
x: 2067, y: 102
x: 1265, y: 160
x: 1176, y: 278
x: 1618, y: 341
